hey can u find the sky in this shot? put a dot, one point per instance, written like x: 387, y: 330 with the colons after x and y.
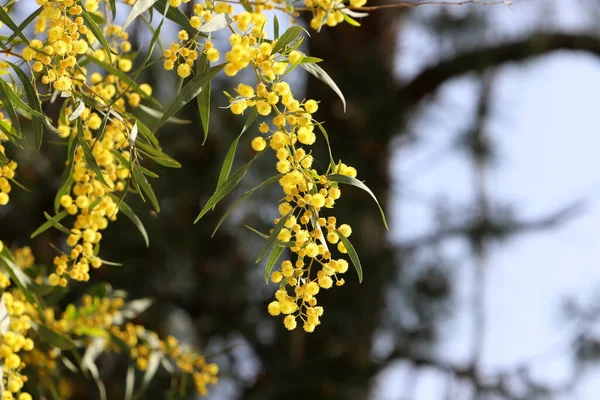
x: 545, y: 123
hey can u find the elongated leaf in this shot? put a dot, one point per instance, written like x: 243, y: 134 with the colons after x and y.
x: 56, y: 224
x: 88, y: 363
x: 131, y: 310
x: 97, y: 32
x: 226, y: 187
x: 228, y: 162
x: 189, y: 91
x: 242, y: 198
x: 138, y: 8
x: 25, y: 24
x: 113, y: 9
x: 271, y: 260
x: 275, y: 27
x: 351, y: 20
x: 125, y: 209
x: 218, y: 22
x: 145, y: 186
x: 326, y: 136
x: 158, y: 156
x: 7, y: 104
x: 157, y: 114
x: 48, y: 224
x: 18, y: 277
x: 124, y: 77
x: 286, y: 38
x: 203, y: 98
x: 77, y: 112
x: 8, y: 21
x: 34, y: 102
x: 353, y: 255
x: 320, y: 74
x: 90, y: 159
x: 129, y: 381
x: 347, y: 180
x: 277, y: 242
x: 273, y: 236
x: 176, y: 15
x: 54, y: 338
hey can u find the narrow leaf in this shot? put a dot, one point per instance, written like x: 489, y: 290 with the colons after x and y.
x: 242, y: 198
x: 48, y: 224
x: 286, y: 38
x: 226, y: 187
x: 273, y: 236
x: 320, y: 74
x: 8, y: 21
x: 138, y: 8
x: 125, y: 209
x: 54, y: 338
x: 34, y: 102
x: 97, y: 32
x: 347, y: 180
x: 143, y: 183
x: 353, y: 255
x: 228, y: 163
x: 271, y: 260
x: 203, y: 98
x: 188, y: 93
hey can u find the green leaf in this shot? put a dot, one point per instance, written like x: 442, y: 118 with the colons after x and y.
x: 177, y: 16
x: 273, y: 236
x: 145, y: 186
x: 7, y: 104
x: 203, y: 98
x: 54, y: 338
x: 351, y: 20
x: 8, y: 21
x: 90, y: 159
x: 18, y: 276
x: 64, y: 189
x: 125, y: 209
x: 138, y: 8
x: 158, y: 156
x: 97, y: 32
x: 242, y: 198
x: 157, y: 114
x: 286, y: 38
x: 113, y: 9
x: 228, y: 163
x: 320, y: 74
x: 34, y: 102
x: 271, y: 260
x: 54, y: 222
x: 326, y: 136
x: 347, y: 180
x: 276, y: 27
x: 226, y: 187
x: 189, y: 91
x: 352, y: 254
x: 24, y: 24
x: 49, y: 224
x: 91, y: 332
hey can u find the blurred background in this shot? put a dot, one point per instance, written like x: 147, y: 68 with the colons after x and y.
x: 477, y: 128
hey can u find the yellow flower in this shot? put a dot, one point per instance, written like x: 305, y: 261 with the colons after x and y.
x: 259, y: 144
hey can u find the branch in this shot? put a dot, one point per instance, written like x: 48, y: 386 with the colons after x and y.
x: 430, y: 79
x: 499, y: 228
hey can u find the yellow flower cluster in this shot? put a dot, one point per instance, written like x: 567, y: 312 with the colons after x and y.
x: 306, y: 192
x: 14, y: 343
x: 89, y: 198
x: 329, y: 12
x: 100, y: 161
x: 7, y: 171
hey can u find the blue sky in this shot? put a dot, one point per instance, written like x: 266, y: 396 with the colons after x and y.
x: 545, y: 122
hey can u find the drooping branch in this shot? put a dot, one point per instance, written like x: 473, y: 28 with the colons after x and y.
x: 429, y: 80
